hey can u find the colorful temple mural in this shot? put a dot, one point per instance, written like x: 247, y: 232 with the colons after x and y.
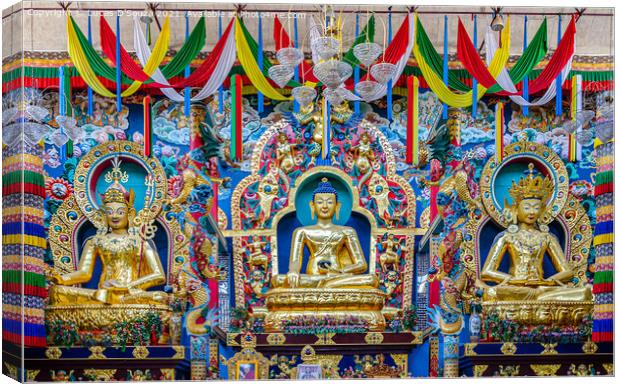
x: 229, y: 192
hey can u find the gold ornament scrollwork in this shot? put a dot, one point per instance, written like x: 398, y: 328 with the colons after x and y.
x: 545, y: 369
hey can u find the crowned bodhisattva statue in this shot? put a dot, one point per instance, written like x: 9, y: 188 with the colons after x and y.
x: 527, y: 242
x: 130, y: 263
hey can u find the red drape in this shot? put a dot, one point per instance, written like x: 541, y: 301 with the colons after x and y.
x: 130, y: 68
x: 468, y: 55
x: 397, y: 48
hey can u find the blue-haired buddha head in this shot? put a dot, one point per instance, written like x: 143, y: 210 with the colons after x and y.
x: 325, y: 204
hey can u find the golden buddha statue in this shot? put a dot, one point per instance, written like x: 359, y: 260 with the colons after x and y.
x: 335, y: 282
x: 336, y: 258
x: 527, y: 241
x: 130, y: 264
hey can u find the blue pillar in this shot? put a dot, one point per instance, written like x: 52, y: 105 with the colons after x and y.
x: 389, y: 84
x: 188, y: 92
x: 474, y: 83
x: 558, y: 80
x: 526, y: 92
x: 260, y: 96
x: 445, y: 61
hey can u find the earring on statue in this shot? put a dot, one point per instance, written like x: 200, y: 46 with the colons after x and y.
x: 312, y: 213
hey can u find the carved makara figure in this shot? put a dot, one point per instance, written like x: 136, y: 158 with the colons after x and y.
x: 130, y: 263
x: 527, y: 242
x: 336, y: 258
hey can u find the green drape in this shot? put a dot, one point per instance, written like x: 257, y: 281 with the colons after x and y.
x: 188, y: 51
x: 367, y: 35
x: 533, y: 54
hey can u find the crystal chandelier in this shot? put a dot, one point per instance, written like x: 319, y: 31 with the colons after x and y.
x: 383, y: 72
x: 290, y: 56
x: 304, y: 95
x: 332, y: 72
x: 367, y: 53
x: 281, y: 74
x: 366, y: 89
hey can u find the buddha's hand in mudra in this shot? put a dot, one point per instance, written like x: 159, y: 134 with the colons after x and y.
x: 113, y: 284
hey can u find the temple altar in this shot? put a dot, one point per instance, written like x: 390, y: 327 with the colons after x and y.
x: 248, y: 192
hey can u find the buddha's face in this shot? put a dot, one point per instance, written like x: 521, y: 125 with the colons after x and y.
x: 529, y: 211
x: 325, y: 205
x: 117, y: 215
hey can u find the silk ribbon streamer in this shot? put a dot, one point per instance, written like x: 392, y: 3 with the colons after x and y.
x: 567, y: 45
x: 250, y: 66
x: 462, y: 100
x: 236, y: 118
x: 218, y: 65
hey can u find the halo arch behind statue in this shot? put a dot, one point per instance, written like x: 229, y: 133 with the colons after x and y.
x: 83, y: 206
x: 517, y: 156
x: 569, y: 219
x: 342, y: 183
x: 94, y: 164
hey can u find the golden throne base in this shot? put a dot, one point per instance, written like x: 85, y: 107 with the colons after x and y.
x: 97, y: 316
x: 541, y: 312
x: 288, y: 304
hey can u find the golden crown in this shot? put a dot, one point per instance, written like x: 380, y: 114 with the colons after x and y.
x: 530, y: 187
x: 116, y: 193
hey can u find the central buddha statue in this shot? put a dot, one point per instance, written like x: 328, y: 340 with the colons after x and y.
x: 336, y: 258
x: 335, y: 283
x: 130, y: 264
x: 527, y: 241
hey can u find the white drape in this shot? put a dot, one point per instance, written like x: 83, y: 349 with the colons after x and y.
x: 224, y: 65
x: 505, y: 82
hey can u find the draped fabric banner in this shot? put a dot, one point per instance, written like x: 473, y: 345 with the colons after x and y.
x: 236, y: 118
x: 499, y: 132
x: 91, y: 66
x: 128, y: 66
x: 82, y: 64
x: 564, y: 54
x: 462, y: 100
x: 574, y: 148
x: 413, y: 85
x: 214, y: 69
x: 468, y: 55
x: 247, y: 58
x: 398, y: 53
x: 148, y: 139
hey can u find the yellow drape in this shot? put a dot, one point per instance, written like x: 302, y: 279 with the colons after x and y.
x: 157, y: 56
x: 463, y: 100
x: 250, y: 67
x: 83, y: 66
x: 81, y: 63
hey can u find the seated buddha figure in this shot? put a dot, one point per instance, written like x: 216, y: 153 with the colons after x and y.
x: 130, y: 264
x: 336, y: 259
x: 527, y: 242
